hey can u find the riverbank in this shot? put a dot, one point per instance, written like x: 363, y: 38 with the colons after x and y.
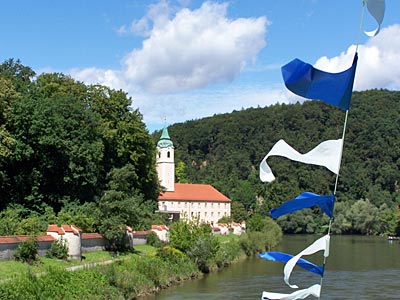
x: 128, y: 277
x: 133, y: 276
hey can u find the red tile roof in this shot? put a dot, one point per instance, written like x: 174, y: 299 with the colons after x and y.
x: 63, y: 229
x: 140, y: 233
x: 194, y: 192
x: 159, y: 227
x: 15, y: 239
x: 88, y: 236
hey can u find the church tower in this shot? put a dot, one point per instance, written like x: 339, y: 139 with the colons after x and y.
x: 166, y: 162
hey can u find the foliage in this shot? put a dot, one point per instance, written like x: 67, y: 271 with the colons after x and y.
x: 58, y: 249
x: 170, y: 253
x: 27, y: 251
x: 225, y: 150
x: 196, y: 240
x: 203, y: 252
x: 227, y: 253
x: 252, y: 243
x: 64, y: 149
x: 120, y: 206
x: 256, y: 223
x: 152, y: 239
x: 132, y: 278
x: 263, y: 233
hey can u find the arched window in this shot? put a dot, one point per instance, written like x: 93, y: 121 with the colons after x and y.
x: 168, y: 154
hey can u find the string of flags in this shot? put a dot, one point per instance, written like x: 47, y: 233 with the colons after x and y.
x: 335, y: 89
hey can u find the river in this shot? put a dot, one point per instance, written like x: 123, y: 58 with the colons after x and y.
x: 359, y: 267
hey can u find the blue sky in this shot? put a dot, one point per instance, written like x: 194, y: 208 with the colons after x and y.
x: 189, y: 59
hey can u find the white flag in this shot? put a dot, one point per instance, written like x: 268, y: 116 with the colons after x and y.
x: 326, y: 154
x: 318, y: 245
x: 377, y: 10
x: 314, y: 290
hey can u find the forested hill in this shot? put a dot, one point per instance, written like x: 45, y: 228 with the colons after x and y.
x: 225, y: 150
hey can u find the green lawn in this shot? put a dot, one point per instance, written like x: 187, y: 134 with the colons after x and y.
x: 10, y: 268
x: 227, y: 238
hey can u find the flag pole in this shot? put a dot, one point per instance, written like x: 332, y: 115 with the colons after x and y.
x: 335, y: 188
x: 343, y: 136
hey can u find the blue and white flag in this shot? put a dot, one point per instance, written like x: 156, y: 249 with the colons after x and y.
x: 314, y: 290
x: 284, y: 258
x: 318, y: 245
x: 305, y: 200
x: 306, y: 81
x: 326, y: 154
x: 377, y: 10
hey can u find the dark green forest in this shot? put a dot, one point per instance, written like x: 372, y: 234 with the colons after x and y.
x: 225, y: 150
x: 79, y: 154
x: 71, y: 153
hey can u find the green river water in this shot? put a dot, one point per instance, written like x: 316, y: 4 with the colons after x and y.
x: 358, y: 267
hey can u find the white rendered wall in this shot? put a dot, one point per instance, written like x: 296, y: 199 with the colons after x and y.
x: 208, y: 212
x: 166, y: 168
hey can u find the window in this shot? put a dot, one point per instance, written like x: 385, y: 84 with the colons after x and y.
x: 168, y: 154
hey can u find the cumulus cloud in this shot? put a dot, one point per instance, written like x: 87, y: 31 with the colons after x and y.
x: 184, y: 50
x: 378, y: 65
x: 157, y: 15
x: 195, y: 49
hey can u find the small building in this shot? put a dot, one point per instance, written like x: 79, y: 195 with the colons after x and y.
x: 71, y: 234
x: 186, y: 201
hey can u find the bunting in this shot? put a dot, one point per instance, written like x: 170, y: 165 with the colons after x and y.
x: 377, y: 10
x: 314, y: 290
x: 284, y: 258
x: 326, y: 154
x: 333, y: 88
x: 318, y: 245
x: 305, y: 200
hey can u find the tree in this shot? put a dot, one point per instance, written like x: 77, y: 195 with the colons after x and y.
x: 196, y: 240
x: 122, y: 205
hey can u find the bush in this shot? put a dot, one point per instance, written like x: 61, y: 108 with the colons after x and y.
x: 153, y: 240
x: 227, y: 253
x: 58, y: 249
x: 203, y: 252
x: 252, y: 243
x: 171, y: 254
x: 27, y: 251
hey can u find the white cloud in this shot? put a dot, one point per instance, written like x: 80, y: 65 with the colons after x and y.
x: 195, y: 49
x: 378, y: 64
x: 186, y: 50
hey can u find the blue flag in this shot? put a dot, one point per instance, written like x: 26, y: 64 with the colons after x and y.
x: 306, y: 81
x: 283, y: 257
x: 305, y: 200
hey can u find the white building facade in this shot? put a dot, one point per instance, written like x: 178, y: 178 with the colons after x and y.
x: 184, y: 200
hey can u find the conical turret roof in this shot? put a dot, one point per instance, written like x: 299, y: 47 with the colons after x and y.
x: 165, y: 140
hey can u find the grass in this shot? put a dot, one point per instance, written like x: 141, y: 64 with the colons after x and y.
x: 227, y: 238
x: 11, y: 268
